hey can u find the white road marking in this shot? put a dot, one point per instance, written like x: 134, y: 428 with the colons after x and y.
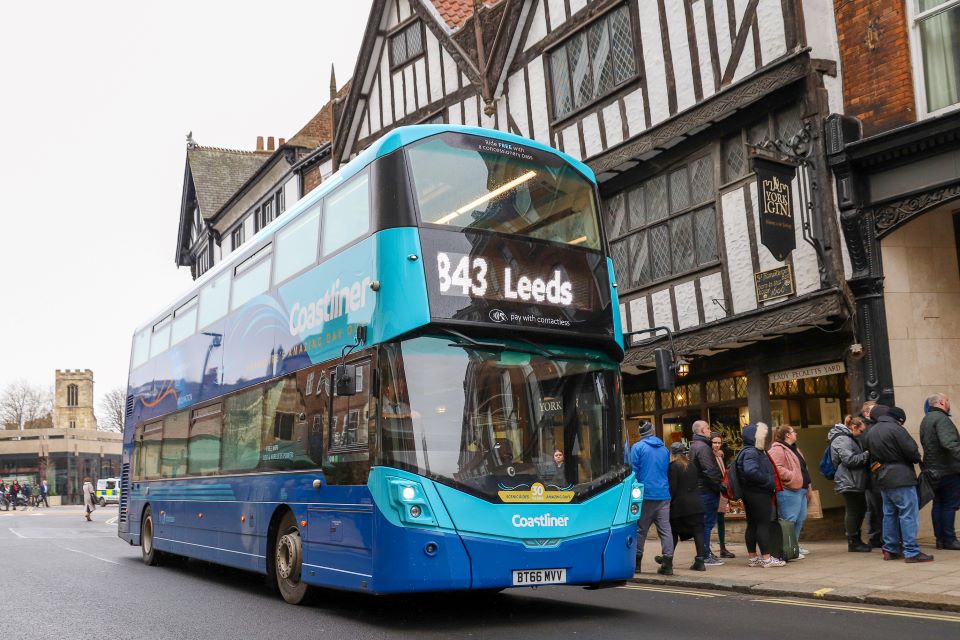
x: 16, y: 533
x: 84, y: 553
x: 111, y: 521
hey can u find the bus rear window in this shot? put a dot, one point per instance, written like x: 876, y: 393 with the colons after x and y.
x: 467, y: 182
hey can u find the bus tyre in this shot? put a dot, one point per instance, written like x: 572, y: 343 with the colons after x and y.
x: 151, y: 557
x: 288, y: 561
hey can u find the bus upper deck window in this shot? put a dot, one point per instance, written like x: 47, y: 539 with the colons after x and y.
x: 213, y: 300
x: 346, y: 214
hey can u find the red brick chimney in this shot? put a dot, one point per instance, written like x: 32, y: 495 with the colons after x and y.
x: 259, y: 143
x: 270, y: 143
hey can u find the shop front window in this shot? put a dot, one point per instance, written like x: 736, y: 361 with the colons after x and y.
x: 819, y: 401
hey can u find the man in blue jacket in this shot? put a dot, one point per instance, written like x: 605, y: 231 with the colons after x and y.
x: 650, y: 460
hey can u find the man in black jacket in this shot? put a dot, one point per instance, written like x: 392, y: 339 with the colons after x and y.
x: 941, y: 456
x: 894, y: 453
x: 710, y: 478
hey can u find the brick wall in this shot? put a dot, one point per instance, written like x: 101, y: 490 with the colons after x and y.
x: 875, y: 57
x: 311, y: 179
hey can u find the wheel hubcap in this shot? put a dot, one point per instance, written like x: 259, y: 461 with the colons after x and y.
x: 148, y: 535
x: 288, y: 557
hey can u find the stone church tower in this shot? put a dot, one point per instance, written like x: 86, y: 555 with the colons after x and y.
x: 73, y: 400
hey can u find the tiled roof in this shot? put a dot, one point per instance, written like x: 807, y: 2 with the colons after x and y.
x: 219, y: 173
x: 456, y: 12
x: 317, y: 132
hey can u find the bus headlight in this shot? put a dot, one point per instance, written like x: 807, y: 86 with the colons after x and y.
x: 410, y: 500
x: 636, y: 502
x: 636, y: 493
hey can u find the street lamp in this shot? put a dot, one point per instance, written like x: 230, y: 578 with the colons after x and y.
x: 683, y: 368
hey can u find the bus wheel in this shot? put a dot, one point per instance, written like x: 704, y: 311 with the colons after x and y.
x: 288, y: 559
x: 151, y: 557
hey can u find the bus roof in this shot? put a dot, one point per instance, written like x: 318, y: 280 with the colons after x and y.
x: 385, y: 145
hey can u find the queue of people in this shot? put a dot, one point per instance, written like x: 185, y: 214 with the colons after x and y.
x: 874, y: 460
x: 15, y: 494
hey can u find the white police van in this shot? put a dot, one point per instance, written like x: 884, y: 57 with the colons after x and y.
x: 108, y: 490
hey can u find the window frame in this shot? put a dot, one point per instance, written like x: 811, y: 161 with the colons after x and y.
x: 236, y: 237
x: 557, y: 120
x: 401, y: 30
x: 626, y: 285
x: 319, y: 207
x: 914, y: 18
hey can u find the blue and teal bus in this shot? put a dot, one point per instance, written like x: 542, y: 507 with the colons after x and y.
x: 408, y: 382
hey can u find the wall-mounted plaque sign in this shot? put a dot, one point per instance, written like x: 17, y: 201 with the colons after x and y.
x: 775, y: 283
x: 775, y: 191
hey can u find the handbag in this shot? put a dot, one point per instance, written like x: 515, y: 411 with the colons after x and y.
x: 926, y: 487
x: 814, y: 506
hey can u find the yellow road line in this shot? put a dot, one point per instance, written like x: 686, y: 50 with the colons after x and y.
x: 683, y: 592
x: 920, y: 615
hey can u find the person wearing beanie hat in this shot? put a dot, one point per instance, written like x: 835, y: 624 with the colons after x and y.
x: 895, y: 453
x: 650, y: 459
x: 677, y: 448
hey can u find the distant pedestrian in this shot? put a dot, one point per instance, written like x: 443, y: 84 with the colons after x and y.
x: 686, y: 504
x: 3, y: 496
x: 710, y: 479
x: 89, y: 499
x: 650, y: 460
x: 941, y: 457
x: 851, y: 461
x: 894, y: 452
x: 716, y: 442
x: 759, y: 485
x: 791, y: 467
x: 27, y: 492
x: 44, y: 492
x: 14, y: 492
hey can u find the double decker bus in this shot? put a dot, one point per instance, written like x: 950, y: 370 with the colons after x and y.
x: 408, y: 382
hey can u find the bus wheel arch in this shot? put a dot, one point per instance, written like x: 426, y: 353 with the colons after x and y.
x: 285, y: 557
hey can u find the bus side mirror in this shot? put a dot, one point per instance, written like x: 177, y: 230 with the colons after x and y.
x: 346, y: 379
x: 665, y: 374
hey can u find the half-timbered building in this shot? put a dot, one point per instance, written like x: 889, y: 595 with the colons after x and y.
x: 668, y: 101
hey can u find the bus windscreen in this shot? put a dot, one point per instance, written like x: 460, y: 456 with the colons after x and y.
x: 469, y: 182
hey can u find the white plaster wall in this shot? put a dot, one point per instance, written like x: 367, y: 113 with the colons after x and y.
x: 711, y: 288
x: 386, y: 87
x: 538, y: 101
x: 633, y: 105
x: 806, y: 266
x: 680, y: 52
x: 922, y: 300
x: 656, y: 77
x: 686, y: 295
x: 613, y: 124
x: 821, y: 28
x: 404, y: 10
x: 571, y: 141
x: 639, y: 318
x: 423, y: 95
x: 470, y: 115
x: 410, y: 98
x: 623, y: 315
x: 450, y: 72
x: 748, y: 63
x: 435, y: 64
x: 518, y: 102
x: 737, y: 241
x: 538, y: 29
x: 662, y: 309
x: 703, y: 48
x: 772, y: 34
x: 557, y: 13
x: 591, y: 135
x: 291, y: 192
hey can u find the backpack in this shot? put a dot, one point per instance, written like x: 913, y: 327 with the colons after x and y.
x: 827, y: 466
x: 734, y: 486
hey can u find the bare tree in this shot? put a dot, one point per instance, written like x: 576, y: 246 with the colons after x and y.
x: 112, y: 407
x: 22, y: 403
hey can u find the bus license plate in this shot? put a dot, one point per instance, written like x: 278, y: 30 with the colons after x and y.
x: 528, y: 577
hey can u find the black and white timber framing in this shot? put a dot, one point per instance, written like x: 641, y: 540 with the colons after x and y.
x: 710, y: 77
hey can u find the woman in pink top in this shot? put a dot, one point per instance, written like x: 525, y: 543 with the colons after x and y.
x: 792, y: 470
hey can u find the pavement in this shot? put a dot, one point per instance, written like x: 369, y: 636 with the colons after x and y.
x: 830, y: 572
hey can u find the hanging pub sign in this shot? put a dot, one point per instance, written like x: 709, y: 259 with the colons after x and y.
x: 775, y: 189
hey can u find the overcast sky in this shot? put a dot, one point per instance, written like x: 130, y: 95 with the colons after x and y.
x: 97, y: 100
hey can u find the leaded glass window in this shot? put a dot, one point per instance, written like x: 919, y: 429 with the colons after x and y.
x: 666, y: 235
x: 592, y: 63
x: 406, y: 44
